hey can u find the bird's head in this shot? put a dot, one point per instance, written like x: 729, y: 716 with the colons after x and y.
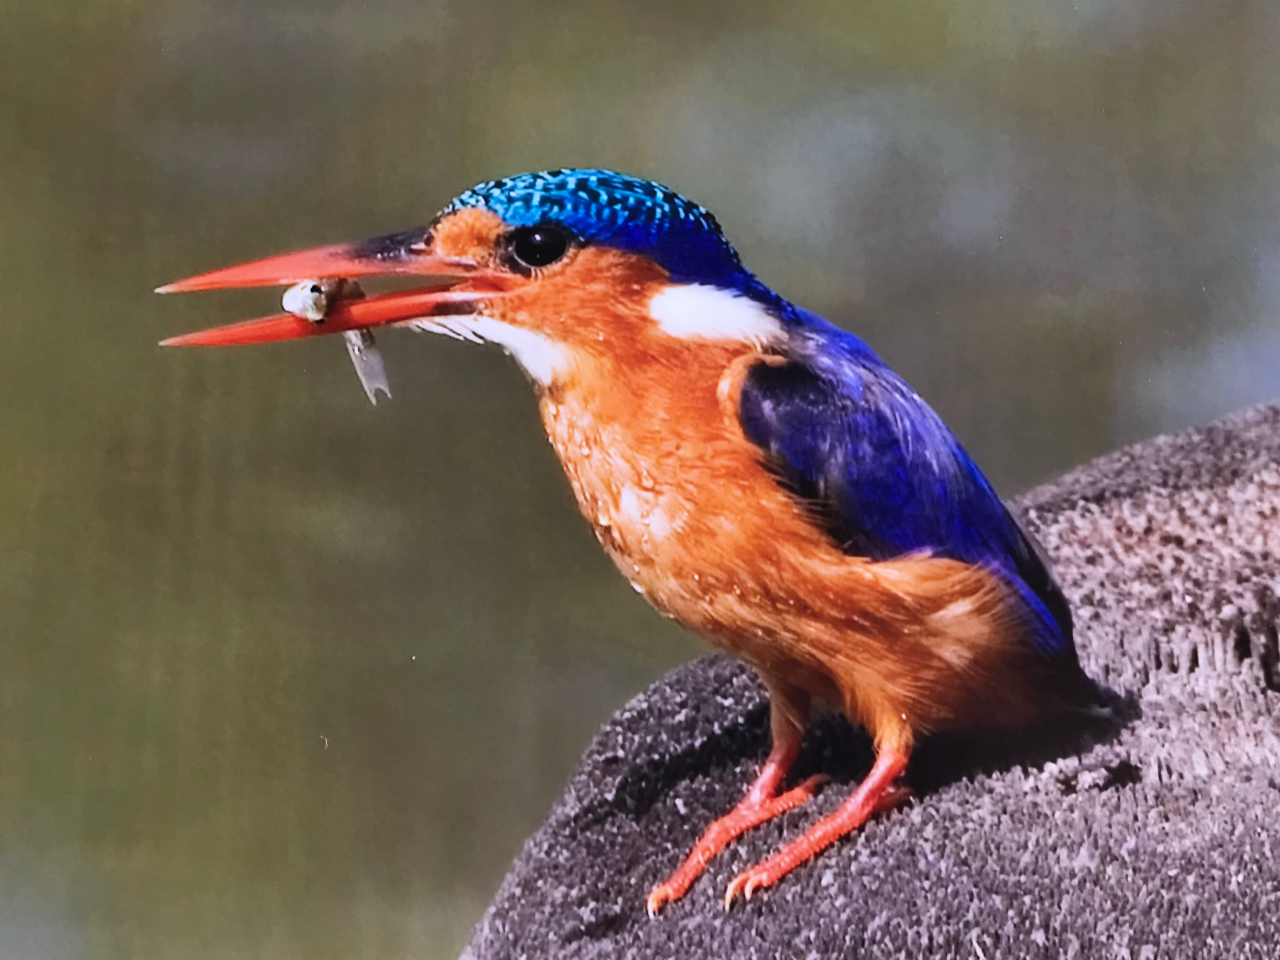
x: 559, y: 267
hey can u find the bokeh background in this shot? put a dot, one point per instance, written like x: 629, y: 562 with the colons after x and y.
x: 286, y: 676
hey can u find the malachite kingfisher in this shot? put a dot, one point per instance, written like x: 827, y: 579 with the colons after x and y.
x: 757, y: 473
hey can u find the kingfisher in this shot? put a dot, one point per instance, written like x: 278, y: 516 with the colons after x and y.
x: 757, y: 473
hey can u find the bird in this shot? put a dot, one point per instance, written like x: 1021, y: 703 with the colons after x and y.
x: 757, y: 473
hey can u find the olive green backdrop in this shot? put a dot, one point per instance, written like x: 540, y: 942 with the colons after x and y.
x: 286, y: 676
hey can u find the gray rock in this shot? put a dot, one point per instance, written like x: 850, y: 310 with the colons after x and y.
x: 1157, y: 836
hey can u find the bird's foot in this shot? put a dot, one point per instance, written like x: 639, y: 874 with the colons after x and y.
x: 879, y: 792
x: 721, y: 833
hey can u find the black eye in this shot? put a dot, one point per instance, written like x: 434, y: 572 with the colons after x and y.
x: 538, y: 246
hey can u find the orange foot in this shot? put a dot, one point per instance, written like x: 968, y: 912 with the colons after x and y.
x: 751, y: 812
x: 876, y: 793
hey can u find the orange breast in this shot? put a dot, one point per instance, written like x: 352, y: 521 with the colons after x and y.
x: 673, y: 490
x: 684, y: 505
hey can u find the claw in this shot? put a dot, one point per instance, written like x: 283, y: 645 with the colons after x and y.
x: 748, y: 882
x: 657, y: 899
x: 731, y: 892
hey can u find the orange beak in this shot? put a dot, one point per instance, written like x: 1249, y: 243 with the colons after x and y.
x: 463, y: 285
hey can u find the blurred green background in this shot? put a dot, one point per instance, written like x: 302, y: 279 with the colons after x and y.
x: 286, y: 676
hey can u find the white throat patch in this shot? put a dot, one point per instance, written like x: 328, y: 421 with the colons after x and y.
x: 541, y: 358
x: 697, y: 311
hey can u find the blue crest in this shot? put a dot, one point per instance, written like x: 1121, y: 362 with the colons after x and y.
x: 627, y: 213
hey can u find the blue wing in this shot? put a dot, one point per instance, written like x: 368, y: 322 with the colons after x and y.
x: 883, y: 472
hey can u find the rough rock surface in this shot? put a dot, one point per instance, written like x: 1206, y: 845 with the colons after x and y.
x: 1157, y: 836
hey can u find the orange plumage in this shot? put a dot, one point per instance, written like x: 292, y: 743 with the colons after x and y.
x: 650, y: 440
x: 757, y: 474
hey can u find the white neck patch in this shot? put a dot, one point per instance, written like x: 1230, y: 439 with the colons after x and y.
x: 542, y: 359
x: 695, y: 311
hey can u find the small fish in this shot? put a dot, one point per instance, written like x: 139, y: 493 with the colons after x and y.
x: 312, y: 299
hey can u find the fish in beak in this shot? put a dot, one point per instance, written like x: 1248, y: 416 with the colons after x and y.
x: 313, y: 299
x: 322, y: 297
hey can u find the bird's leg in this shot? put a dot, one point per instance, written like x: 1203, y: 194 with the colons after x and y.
x: 878, y: 792
x: 762, y: 801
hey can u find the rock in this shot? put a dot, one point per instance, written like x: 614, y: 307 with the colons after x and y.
x: 1157, y: 836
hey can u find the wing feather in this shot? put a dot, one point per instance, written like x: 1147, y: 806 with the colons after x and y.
x: 883, y: 474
